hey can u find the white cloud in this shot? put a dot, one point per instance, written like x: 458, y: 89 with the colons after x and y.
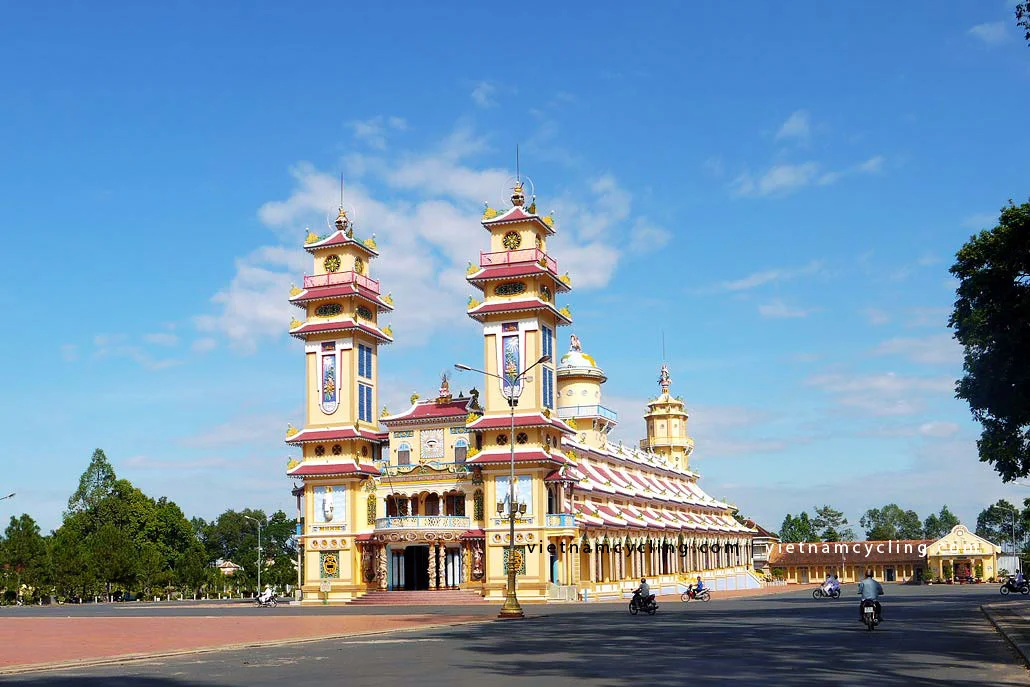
x: 935, y: 349
x: 883, y: 394
x: 646, y: 237
x: 933, y: 429
x: 991, y: 33
x: 161, y: 338
x: 875, y: 316
x: 928, y: 317
x: 783, y: 179
x: 796, y: 127
x: 263, y: 429
x: 69, y: 352
x: 373, y: 131
x: 483, y: 94
x: 873, y: 165
x: 715, y: 166
x: 203, y: 345
x: 771, y: 276
x: 116, y: 346
x: 777, y: 309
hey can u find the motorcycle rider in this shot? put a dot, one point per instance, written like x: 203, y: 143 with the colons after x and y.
x: 870, y: 590
x: 643, y: 592
x: 834, y: 584
x: 266, y: 595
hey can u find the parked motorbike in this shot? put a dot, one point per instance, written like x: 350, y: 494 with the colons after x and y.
x: 820, y: 593
x: 1011, y: 586
x: 693, y: 595
x: 636, y: 604
x: 869, y: 614
x: 267, y: 599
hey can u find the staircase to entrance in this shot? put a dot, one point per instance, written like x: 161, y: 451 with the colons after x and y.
x: 440, y: 597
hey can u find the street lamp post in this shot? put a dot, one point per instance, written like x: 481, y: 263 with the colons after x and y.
x: 298, y: 491
x: 258, y: 552
x: 512, y: 389
x: 7, y: 497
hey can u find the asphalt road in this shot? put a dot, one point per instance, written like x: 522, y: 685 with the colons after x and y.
x: 930, y: 636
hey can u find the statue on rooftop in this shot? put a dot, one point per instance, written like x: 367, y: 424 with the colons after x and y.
x: 574, y: 343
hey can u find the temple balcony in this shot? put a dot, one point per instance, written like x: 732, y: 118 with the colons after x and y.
x: 587, y: 411
x: 561, y: 520
x: 417, y: 522
x: 518, y: 257
x: 340, y: 279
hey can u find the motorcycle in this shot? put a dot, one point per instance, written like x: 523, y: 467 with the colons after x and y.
x: 869, y: 614
x: 821, y: 592
x: 636, y: 604
x: 1011, y: 586
x: 693, y: 595
x: 267, y: 599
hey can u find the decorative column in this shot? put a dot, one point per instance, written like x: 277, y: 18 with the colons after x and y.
x: 381, y: 565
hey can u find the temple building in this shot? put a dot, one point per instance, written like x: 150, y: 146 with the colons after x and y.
x: 421, y: 499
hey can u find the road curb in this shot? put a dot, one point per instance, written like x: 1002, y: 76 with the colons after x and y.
x: 132, y: 658
x: 1009, y: 634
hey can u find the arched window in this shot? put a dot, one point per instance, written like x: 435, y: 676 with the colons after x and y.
x: 403, y: 454
x: 461, y: 448
x: 432, y: 505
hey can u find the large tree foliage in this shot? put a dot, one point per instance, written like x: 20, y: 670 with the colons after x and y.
x: 991, y: 319
x: 798, y: 529
x: 832, y: 525
x: 1023, y: 17
x: 937, y: 525
x: 23, y: 554
x: 95, y: 484
x: 891, y: 522
x: 1003, y: 523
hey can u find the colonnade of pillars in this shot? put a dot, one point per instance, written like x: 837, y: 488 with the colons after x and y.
x: 577, y: 561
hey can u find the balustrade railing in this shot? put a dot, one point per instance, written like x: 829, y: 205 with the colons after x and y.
x: 515, y: 257
x: 561, y: 520
x: 413, y: 522
x: 339, y: 279
x: 587, y: 411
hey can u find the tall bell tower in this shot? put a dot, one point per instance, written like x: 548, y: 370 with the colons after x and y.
x: 666, y: 420
x: 520, y: 283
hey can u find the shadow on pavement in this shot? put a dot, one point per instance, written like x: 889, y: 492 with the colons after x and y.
x: 52, y: 680
x: 939, y: 639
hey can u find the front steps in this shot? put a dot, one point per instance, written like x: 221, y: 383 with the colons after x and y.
x: 442, y: 597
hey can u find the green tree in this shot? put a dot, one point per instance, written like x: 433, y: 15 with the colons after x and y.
x: 1002, y: 522
x: 95, y: 484
x: 151, y: 565
x: 991, y: 319
x: 113, y: 556
x: 24, y: 554
x: 832, y: 525
x: 937, y: 525
x: 70, y: 558
x: 798, y: 529
x: 191, y: 570
x: 891, y: 522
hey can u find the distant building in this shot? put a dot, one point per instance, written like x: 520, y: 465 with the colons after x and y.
x: 958, y: 555
x: 227, y: 568
x: 761, y: 545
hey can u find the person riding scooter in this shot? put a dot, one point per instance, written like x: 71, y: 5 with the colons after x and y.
x: 870, y: 590
x: 643, y: 592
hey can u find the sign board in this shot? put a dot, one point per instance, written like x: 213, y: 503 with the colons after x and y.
x: 326, y: 586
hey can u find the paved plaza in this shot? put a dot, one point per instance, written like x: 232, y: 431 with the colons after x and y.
x: 931, y: 636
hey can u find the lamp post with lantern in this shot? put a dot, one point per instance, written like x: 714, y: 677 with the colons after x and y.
x: 511, y: 388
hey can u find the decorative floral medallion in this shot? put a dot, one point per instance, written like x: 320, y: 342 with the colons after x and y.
x: 521, y: 438
x: 332, y: 263
x: 320, y: 450
x: 328, y: 310
x: 337, y: 449
x: 330, y: 564
x: 512, y: 240
x: 502, y: 439
x: 511, y: 288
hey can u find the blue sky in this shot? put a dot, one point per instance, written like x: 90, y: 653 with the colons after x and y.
x: 778, y: 192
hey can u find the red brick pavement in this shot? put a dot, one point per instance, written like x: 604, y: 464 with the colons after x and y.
x: 28, y: 642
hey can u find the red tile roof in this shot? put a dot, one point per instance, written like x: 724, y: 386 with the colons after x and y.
x: 532, y: 420
x: 328, y: 292
x: 339, y: 326
x: 517, y: 214
x: 517, y: 305
x: 306, y: 436
x: 431, y: 410
x: 338, y: 238
x: 521, y: 456
x: 309, y: 470
x: 528, y: 269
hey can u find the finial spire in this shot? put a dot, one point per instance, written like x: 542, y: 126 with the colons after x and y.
x: 518, y: 176
x: 664, y: 380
